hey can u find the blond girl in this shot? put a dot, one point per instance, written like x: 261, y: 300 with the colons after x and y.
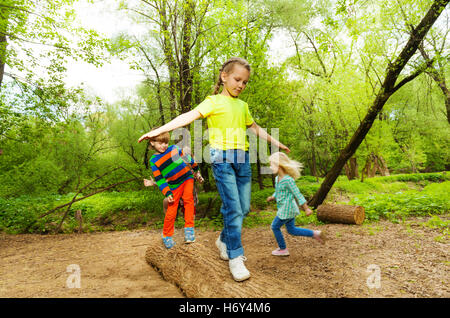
x: 288, y: 198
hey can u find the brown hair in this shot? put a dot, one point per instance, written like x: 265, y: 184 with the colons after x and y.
x: 227, y: 67
x: 164, y: 137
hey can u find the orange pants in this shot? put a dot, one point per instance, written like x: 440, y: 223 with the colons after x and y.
x: 185, y: 191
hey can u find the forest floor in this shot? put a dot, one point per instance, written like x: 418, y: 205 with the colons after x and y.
x: 411, y: 262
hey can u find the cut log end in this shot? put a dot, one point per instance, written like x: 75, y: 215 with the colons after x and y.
x: 338, y: 213
x: 359, y: 215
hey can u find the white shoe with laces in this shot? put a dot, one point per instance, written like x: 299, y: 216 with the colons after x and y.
x: 222, y: 249
x: 238, y: 269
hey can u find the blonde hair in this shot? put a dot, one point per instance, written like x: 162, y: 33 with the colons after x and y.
x: 227, y: 67
x: 291, y: 167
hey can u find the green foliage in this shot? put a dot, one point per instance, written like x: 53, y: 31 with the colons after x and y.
x: 55, y: 139
x: 389, y: 184
x: 107, y: 210
x: 42, y: 38
x: 132, y: 209
x: 259, y: 199
x: 434, y: 199
x: 435, y: 222
x: 20, y: 215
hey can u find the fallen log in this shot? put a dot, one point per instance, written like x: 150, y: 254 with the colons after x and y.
x: 338, y: 213
x: 199, y: 272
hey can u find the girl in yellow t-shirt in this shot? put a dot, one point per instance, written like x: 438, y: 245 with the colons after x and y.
x: 228, y: 118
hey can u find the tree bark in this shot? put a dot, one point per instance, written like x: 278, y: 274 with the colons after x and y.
x: 388, y: 88
x: 199, y: 273
x: 258, y: 168
x: 3, y: 44
x: 383, y: 166
x: 347, y: 171
x: 186, y: 79
x: 351, y: 169
x: 169, y: 55
x: 337, y: 213
x: 313, y: 153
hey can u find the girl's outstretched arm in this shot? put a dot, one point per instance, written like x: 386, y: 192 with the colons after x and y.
x: 261, y: 133
x: 177, y: 122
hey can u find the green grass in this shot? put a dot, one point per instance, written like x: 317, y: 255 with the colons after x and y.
x: 434, y: 199
x: 394, y: 198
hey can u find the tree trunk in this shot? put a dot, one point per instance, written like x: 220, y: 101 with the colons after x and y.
x: 447, y: 105
x: 258, y: 168
x: 439, y: 78
x: 347, y: 171
x: 170, y: 60
x: 374, y: 166
x: 388, y: 88
x: 383, y: 166
x: 351, y: 169
x: 354, y: 167
x: 337, y: 213
x: 186, y: 79
x: 146, y: 159
x: 313, y: 155
x: 3, y: 44
x: 367, y: 168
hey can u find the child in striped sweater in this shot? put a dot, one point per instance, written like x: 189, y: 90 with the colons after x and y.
x: 288, y: 196
x: 175, y: 179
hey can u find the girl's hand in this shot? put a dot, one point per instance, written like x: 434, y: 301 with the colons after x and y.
x: 170, y: 199
x: 308, y: 211
x: 270, y: 199
x: 283, y: 147
x: 149, y: 183
x: 149, y: 135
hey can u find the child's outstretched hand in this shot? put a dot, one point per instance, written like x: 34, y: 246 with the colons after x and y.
x: 149, y: 183
x: 170, y: 199
x: 308, y: 211
x: 283, y: 147
x: 199, y: 177
x: 271, y: 198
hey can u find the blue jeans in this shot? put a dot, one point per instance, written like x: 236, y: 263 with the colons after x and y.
x: 233, y: 174
x: 290, y: 226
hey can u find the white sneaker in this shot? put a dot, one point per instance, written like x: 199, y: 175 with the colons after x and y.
x: 222, y: 249
x: 238, y: 269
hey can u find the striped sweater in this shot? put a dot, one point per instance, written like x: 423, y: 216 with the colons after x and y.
x: 170, y: 170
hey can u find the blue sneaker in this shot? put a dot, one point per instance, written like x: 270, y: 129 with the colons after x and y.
x: 168, y: 241
x: 189, y: 235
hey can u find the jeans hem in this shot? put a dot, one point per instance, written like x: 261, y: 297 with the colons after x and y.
x: 235, y: 253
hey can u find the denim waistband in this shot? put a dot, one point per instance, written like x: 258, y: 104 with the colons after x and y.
x: 229, y: 156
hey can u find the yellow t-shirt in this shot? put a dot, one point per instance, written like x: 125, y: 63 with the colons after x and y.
x: 227, y: 120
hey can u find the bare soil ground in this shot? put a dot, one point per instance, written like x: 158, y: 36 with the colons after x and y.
x: 411, y: 262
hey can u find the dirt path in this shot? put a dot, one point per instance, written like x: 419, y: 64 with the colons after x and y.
x: 111, y: 265
x: 411, y: 263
